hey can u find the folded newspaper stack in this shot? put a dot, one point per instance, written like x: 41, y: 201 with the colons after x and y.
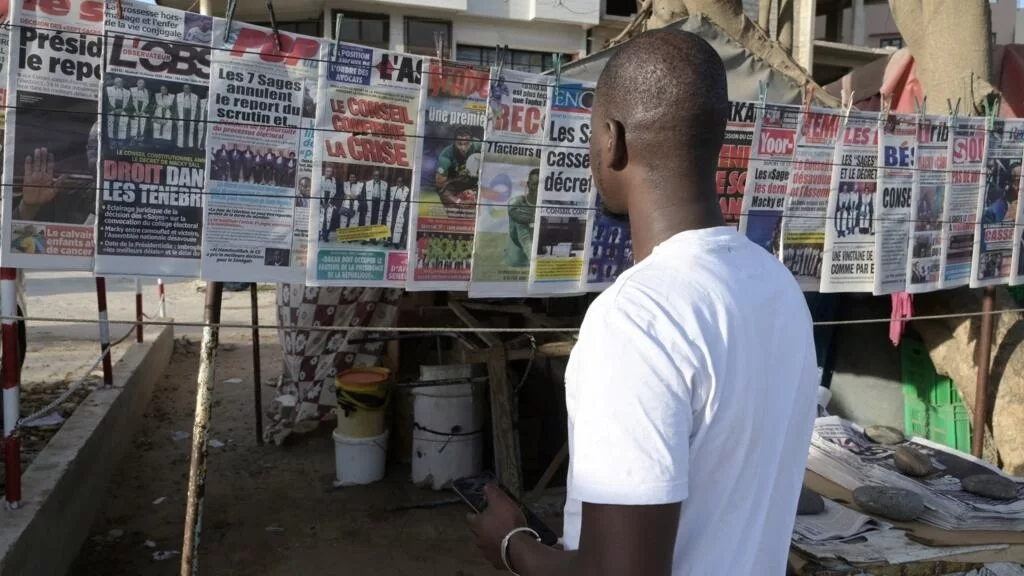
x: 837, y: 522
x: 842, y: 454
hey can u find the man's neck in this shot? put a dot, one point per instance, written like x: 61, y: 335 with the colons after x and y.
x: 653, y: 222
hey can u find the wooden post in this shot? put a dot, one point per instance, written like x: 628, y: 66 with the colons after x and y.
x: 11, y: 387
x: 506, y: 445
x: 101, y: 301
x: 981, y: 402
x: 256, y: 377
x: 201, y: 431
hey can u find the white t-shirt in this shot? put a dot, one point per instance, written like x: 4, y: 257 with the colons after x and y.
x: 694, y: 380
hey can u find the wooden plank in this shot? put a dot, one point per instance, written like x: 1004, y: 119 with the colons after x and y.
x: 499, y: 308
x: 506, y: 445
x: 545, y: 479
x: 549, y: 350
x: 469, y: 320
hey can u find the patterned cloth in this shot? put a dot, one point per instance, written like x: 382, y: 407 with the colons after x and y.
x: 312, y: 358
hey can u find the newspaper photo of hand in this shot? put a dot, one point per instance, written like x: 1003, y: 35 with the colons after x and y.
x: 39, y: 187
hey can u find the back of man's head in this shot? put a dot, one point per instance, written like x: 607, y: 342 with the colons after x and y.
x: 667, y: 88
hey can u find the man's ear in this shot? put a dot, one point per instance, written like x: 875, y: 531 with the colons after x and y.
x: 618, y: 156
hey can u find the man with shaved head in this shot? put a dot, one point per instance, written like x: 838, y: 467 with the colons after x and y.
x: 691, y: 391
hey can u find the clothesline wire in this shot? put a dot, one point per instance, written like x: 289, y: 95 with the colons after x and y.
x: 452, y: 138
x: 452, y: 329
x: 573, y: 207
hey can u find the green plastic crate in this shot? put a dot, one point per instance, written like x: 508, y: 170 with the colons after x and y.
x: 932, y: 406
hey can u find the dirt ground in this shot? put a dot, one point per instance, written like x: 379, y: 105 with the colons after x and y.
x: 268, y: 510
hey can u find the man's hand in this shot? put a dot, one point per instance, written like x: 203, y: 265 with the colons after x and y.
x: 493, y: 524
x: 39, y: 187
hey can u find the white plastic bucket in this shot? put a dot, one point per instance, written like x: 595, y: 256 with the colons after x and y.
x: 359, y: 460
x: 447, y: 437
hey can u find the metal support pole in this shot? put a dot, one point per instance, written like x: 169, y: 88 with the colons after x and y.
x: 256, y: 379
x: 201, y: 431
x: 162, y: 310
x: 101, y: 301
x: 988, y: 298
x: 11, y: 385
x: 138, y: 309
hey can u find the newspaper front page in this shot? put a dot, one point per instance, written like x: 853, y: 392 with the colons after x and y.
x: 254, y: 116
x: 51, y: 135
x: 310, y: 71
x: 453, y: 113
x: 731, y: 178
x: 771, y: 161
x: 967, y: 162
x: 609, y: 247
x: 152, y: 163
x: 849, y: 257
x: 363, y: 167
x: 806, y: 206
x: 997, y: 204
x: 509, y: 180
x: 564, y: 193
x: 927, y: 204
x: 897, y: 149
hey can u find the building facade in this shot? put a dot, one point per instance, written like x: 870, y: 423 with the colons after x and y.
x: 880, y: 29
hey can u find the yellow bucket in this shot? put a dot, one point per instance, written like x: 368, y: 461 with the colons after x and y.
x: 363, y: 395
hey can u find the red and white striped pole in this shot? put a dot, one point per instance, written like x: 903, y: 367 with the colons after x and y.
x: 138, y: 309
x: 101, y: 300
x: 160, y: 294
x: 11, y: 380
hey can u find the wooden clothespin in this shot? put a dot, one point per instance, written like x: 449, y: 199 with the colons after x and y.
x: 920, y: 105
x: 991, y: 106
x: 762, y: 95
x: 847, y: 101
x: 439, y: 45
x: 556, y: 59
x: 229, y: 17
x: 886, y: 106
x: 337, y: 33
x: 808, y: 97
x: 120, y: 10
x: 273, y: 24
x: 953, y: 110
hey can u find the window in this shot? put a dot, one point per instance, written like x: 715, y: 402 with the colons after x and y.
x: 420, y: 34
x: 620, y: 8
x: 363, y: 28
x: 522, y: 60
x: 312, y: 28
x: 891, y: 42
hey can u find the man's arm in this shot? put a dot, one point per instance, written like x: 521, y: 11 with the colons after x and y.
x: 615, y: 540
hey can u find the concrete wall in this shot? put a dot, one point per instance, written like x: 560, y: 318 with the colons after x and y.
x: 65, y: 485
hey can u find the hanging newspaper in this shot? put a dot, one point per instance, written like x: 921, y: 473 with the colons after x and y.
x: 897, y: 149
x: 564, y: 193
x: 152, y: 164
x: 49, y: 177
x: 452, y: 117
x: 924, y: 264
x: 731, y: 178
x: 509, y: 179
x: 771, y: 158
x: 254, y: 116
x: 5, y: 41
x: 363, y: 163
x: 609, y: 247
x: 310, y: 70
x: 997, y: 204
x: 807, y: 195
x: 849, y: 256
x: 967, y: 162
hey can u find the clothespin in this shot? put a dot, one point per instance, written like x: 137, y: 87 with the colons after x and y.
x: 273, y: 24
x: 439, y: 45
x: 991, y: 109
x: 229, y: 16
x: 556, y: 59
x: 920, y: 105
x: 337, y: 33
x: 953, y: 111
x: 499, y: 63
x: 808, y: 98
x: 886, y: 106
x: 120, y: 10
x: 847, y: 101
x: 762, y: 94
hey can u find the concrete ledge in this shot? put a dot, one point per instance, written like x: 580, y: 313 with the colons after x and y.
x: 66, y: 484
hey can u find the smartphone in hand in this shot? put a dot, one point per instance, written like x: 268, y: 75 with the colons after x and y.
x: 471, y: 490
